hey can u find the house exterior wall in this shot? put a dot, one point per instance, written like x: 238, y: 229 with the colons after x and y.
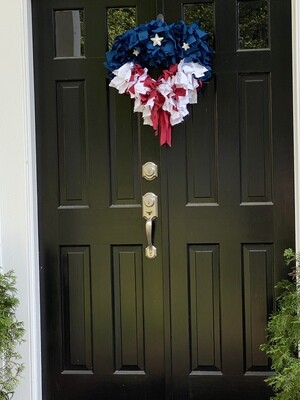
x: 18, y: 206
x: 18, y: 192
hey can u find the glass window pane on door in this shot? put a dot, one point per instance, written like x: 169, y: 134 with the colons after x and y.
x: 119, y: 20
x: 253, y: 24
x: 69, y: 33
x: 203, y: 13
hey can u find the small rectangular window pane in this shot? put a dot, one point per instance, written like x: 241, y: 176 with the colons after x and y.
x: 253, y: 24
x: 69, y: 33
x: 119, y: 20
x: 202, y: 12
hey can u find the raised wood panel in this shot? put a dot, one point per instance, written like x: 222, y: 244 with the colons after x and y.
x: 201, y: 131
x: 76, y: 297
x: 258, y: 302
x: 124, y: 150
x: 128, y: 309
x: 72, y: 148
x: 256, y: 138
x: 204, y: 284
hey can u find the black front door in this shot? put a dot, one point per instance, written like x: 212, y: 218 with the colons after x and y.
x: 187, y: 324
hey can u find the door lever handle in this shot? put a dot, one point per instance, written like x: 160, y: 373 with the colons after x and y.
x: 150, y: 212
x: 150, y: 251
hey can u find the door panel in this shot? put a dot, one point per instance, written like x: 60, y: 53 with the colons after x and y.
x: 225, y: 251
x: 103, y: 300
x: 187, y: 324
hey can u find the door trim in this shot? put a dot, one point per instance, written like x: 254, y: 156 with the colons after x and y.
x: 296, y: 112
x: 18, y: 202
x: 31, y: 208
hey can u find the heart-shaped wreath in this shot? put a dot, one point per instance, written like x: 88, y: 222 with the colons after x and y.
x: 181, y: 49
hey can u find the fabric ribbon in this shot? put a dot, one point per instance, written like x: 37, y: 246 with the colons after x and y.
x: 162, y: 102
x: 136, y: 46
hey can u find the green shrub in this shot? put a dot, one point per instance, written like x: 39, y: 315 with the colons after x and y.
x: 283, y: 340
x: 11, y: 334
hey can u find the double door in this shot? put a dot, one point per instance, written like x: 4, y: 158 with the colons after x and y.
x: 186, y: 324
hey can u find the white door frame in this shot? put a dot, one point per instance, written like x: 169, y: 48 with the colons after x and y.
x: 18, y: 188
x: 296, y: 111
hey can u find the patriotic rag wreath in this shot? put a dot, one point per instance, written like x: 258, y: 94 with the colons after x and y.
x: 179, y: 48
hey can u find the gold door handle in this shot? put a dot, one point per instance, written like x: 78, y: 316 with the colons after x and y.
x: 150, y: 251
x: 150, y: 212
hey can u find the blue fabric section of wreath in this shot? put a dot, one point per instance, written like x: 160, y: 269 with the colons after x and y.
x: 170, y: 52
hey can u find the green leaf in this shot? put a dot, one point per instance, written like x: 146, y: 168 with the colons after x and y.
x: 11, y: 335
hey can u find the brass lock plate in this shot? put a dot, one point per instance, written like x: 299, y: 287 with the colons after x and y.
x: 150, y: 207
x: 149, y: 171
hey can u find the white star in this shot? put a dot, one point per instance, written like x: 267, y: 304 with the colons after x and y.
x: 157, y: 40
x: 185, y: 46
x: 136, y: 52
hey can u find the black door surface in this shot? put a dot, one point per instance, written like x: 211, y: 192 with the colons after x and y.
x: 187, y: 324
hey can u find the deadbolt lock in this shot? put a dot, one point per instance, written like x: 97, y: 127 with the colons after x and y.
x: 149, y: 171
x: 150, y: 208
